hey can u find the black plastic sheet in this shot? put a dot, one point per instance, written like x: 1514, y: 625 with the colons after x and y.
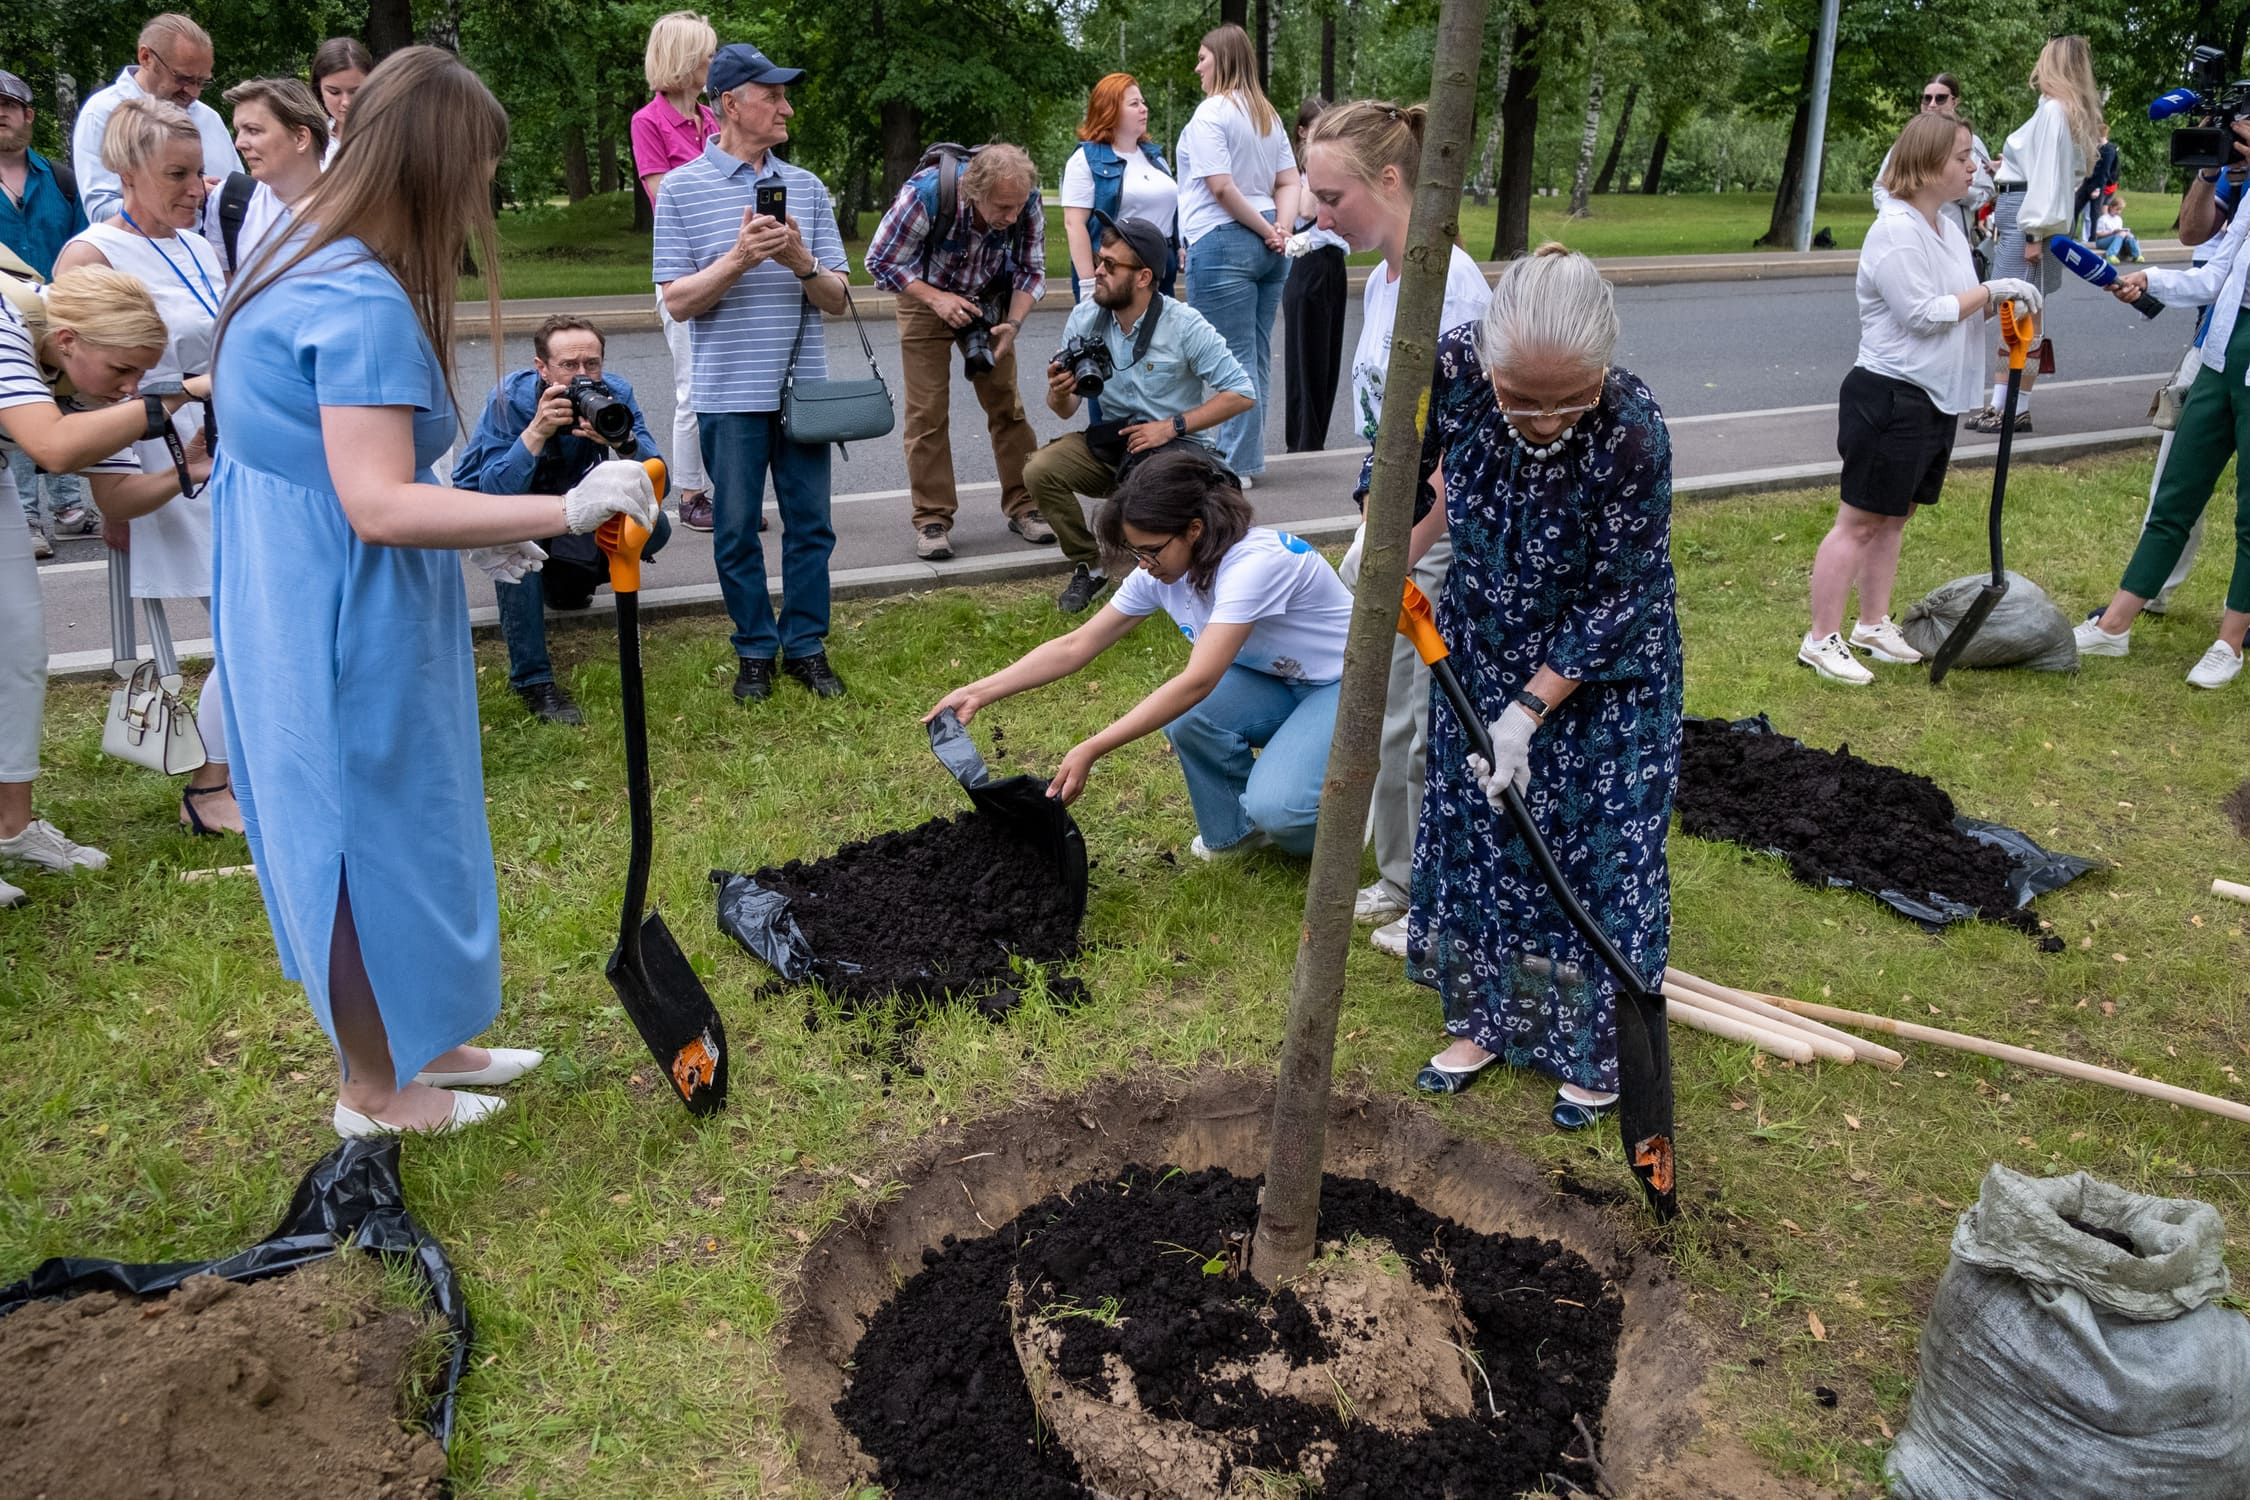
x: 350, y: 1200
x: 2033, y: 871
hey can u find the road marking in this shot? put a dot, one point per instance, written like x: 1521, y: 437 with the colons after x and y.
x: 1799, y: 411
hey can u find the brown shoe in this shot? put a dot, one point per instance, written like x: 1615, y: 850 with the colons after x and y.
x: 933, y: 543
x: 1033, y: 528
x: 695, y: 510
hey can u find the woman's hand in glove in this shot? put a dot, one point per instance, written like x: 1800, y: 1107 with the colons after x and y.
x: 510, y: 561
x: 619, y: 487
x: 1511, y: 750
x: 2012, y: 289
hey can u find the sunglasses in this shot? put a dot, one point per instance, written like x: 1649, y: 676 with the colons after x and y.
x: 1938, y: 98
x: 1110, y: 265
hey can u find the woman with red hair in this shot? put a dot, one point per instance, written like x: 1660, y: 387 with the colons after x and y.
x: 1119, y: 172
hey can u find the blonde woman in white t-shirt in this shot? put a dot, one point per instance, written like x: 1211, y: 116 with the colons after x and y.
x: 1238, y: 194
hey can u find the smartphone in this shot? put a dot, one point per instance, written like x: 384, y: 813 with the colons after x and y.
x: 773, y: 201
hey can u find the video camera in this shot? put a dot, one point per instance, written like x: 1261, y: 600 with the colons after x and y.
x: 2216, y: 101
x: 598, y: 407
x: 1086, y: 357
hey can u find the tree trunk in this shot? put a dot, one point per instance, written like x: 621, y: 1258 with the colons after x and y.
x: 1652, y: 181
x: 605, y: 169
x: 644, y: 213
x: 1328, y: 57
x: 1587, y: 141
x: 390, y: 26
x: 1235, y: 13
x: 855, y: 198
x: 1289, y: 1209
x: 1488, y: 160
x: 578, y: 182
x: 1263, y: 42
x: 1781, y: 233
x: 1617, y: 142
x: 902, y: 144
x: 1519, y: 132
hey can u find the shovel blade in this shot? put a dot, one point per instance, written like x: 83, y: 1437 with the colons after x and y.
x: 1644, y: 1095
x: 673, y: 1013
x: 1980, y: 609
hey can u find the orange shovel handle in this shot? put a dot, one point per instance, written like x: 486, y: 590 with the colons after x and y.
x: 2017, y: 334
x: 1417, y: 624
x: 621, y: 537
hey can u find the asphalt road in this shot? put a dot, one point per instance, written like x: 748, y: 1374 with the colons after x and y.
x: 1746, y: 371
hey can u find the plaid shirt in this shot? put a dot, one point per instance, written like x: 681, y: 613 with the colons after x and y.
x: 968, y: 257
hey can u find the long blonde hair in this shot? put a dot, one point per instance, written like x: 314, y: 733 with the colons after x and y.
x: 1234, y: 70
x: 2066, y: 70
x: 414, y: 188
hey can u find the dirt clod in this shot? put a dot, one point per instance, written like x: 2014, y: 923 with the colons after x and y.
x: 283, y: 1389
x: 2237, y: 809
x: 2116, y: 1238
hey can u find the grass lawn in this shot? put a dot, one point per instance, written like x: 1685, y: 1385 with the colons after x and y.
x: 163, y: 1087
x: 589, y: 249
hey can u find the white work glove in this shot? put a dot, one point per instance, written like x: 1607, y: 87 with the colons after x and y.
x: 619, y: 487
x: 1298, y: 244
x: 510, y: 561
x: 2010, y: 289
x: 1511, y: 749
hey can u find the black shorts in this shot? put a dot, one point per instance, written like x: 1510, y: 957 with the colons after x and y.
x: 1894, y: 442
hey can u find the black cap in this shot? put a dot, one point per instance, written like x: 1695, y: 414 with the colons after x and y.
x: 12, y: 87
x: 1144, y: 239
x: 739, y: 63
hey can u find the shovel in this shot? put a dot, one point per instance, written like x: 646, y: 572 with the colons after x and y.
x: 1644, y: 1050
x: 2016, y: 333
x: 653, y: 979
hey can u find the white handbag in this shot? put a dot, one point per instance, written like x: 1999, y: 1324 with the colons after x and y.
x: 148, y: 724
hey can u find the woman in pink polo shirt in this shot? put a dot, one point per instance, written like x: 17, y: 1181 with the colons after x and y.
x: 668, y: 130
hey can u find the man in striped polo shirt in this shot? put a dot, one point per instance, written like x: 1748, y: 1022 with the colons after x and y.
x: 747, y: 284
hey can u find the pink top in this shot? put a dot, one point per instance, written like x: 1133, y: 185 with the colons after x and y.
x: 663, y: 139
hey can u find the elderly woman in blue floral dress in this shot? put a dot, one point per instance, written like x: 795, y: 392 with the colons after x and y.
x: 1559, y: 611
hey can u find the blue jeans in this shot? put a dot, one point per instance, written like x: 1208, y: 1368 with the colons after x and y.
x: 1235, y: 282
x: 2114, y: 244
x: 563, y: 584
x: 739, y: 449
x: 63, y: 490
x: 1275, y: 792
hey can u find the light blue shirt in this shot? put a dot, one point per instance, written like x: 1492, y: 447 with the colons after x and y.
x: 98, y: 187
x: 740, y: 348
x: 1185, y: 354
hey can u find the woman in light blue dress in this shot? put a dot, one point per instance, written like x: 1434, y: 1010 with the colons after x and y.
x: 352, y: 702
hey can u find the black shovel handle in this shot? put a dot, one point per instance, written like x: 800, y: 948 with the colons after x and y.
x: 2017, y: 333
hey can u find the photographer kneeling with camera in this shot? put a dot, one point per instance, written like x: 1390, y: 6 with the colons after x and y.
x: 544, y: 429
x: 1149, y: 358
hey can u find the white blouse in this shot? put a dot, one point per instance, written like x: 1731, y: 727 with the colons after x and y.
x: 2046, y: 163
x: 2223, y: 281
x: 1910, y: 323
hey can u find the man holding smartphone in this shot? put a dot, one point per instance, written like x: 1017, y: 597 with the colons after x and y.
x: 752, y: 285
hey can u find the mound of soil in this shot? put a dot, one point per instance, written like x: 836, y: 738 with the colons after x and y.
x: 932, y: 912
x: 283, y: 1389
x: 2237, y: 809
x: 1838, y: 819
x: 939, y: 1400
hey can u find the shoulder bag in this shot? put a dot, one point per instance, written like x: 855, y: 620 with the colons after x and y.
x: 835, y: 411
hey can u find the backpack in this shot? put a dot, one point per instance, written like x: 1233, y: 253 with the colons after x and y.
x: 941, y: 197
x: 234, y: 207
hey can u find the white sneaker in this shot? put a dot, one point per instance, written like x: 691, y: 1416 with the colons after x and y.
x: 41, y: 843
x: 2095, y: 641
x: 1832, y: 659
x: 1256, y: 839
x: 11, y: 895
x: 1390, y: 939
x: 2220, y: 666
x: 1883, y: 641
x: 1377, y: 904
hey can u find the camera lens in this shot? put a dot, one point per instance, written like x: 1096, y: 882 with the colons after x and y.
x: 976, y: 351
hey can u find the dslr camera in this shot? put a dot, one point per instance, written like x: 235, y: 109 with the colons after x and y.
x: 975, y: 337
x: 598, y: 407
x: 2218, y: 102
x: 1087, y: 359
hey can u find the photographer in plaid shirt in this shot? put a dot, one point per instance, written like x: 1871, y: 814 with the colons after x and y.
x: 970, y: 282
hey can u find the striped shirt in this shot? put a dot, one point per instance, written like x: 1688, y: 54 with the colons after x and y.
x: 740, y: 348
x: 968, y: 257
x: 22, y: 384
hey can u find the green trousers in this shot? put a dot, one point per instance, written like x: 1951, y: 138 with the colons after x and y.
x: 1056, y: 476
x: 2214, y: 427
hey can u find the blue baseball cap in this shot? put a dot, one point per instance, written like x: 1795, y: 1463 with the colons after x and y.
x: 739, y: 63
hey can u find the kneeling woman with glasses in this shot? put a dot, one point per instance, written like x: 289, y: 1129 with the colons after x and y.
x: 1251, y: 713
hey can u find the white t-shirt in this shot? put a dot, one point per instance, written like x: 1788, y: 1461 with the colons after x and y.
x: 1148, y: 193
x: 1221, y: 141
x: 1910, y: 326
x: 1297, y: 609
x: 2109, y: 223
x: 1466, y: 294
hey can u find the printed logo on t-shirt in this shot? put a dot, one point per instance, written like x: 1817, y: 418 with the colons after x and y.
x: 1292, y: 542
x: 1287, y: 668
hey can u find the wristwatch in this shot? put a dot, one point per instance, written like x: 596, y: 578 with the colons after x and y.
x: 1539, y: 706
x: 159, y: 420
x: 1179, y: 426
x: 809, y: 275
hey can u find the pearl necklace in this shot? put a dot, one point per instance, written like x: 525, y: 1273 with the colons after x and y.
x: 1533, y: 450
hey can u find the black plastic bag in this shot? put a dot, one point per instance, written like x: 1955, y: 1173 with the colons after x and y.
x: 350, y: 1200
x: 2033, y: 871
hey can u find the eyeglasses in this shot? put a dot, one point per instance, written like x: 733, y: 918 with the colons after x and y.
x: 194, y: 83
x: 1937, y: 98
x: 1110, y: 265
x: 1149, y: 557
x: 1548, y: 414
x: 591, y: 367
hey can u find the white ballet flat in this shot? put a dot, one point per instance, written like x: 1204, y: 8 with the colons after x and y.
x: 508, y: 1064
x: 468, y: 1109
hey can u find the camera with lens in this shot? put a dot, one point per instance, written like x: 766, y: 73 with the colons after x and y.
x: 598, y: 407
x: 1087, y: 359
x: 975, y: 336
x: 2218, y: 102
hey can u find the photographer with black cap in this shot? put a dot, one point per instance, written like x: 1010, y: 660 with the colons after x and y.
x: 543, y: 430
x: 1150, y: 359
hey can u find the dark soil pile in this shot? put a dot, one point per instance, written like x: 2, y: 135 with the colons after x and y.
x: 2237, y: 809
x: 284, y: 1389
x: 930, y: 912
x: 937, y: 1395
x: 1837, y: 818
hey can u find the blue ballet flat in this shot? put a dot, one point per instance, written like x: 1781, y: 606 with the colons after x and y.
x: 1569, y: 1114
x: 1438, y: 1080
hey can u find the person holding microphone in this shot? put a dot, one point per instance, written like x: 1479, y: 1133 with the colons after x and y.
x: 1922, y: 316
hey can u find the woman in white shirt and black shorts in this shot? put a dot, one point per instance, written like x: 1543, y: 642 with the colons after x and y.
x: 1922, y: 317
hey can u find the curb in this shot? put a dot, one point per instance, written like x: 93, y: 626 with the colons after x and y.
x: 892, y: 579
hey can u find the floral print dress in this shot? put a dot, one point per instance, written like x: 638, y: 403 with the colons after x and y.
x: 1563, y: 561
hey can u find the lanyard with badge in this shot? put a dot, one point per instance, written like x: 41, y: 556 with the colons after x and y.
x: 208, y: 300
